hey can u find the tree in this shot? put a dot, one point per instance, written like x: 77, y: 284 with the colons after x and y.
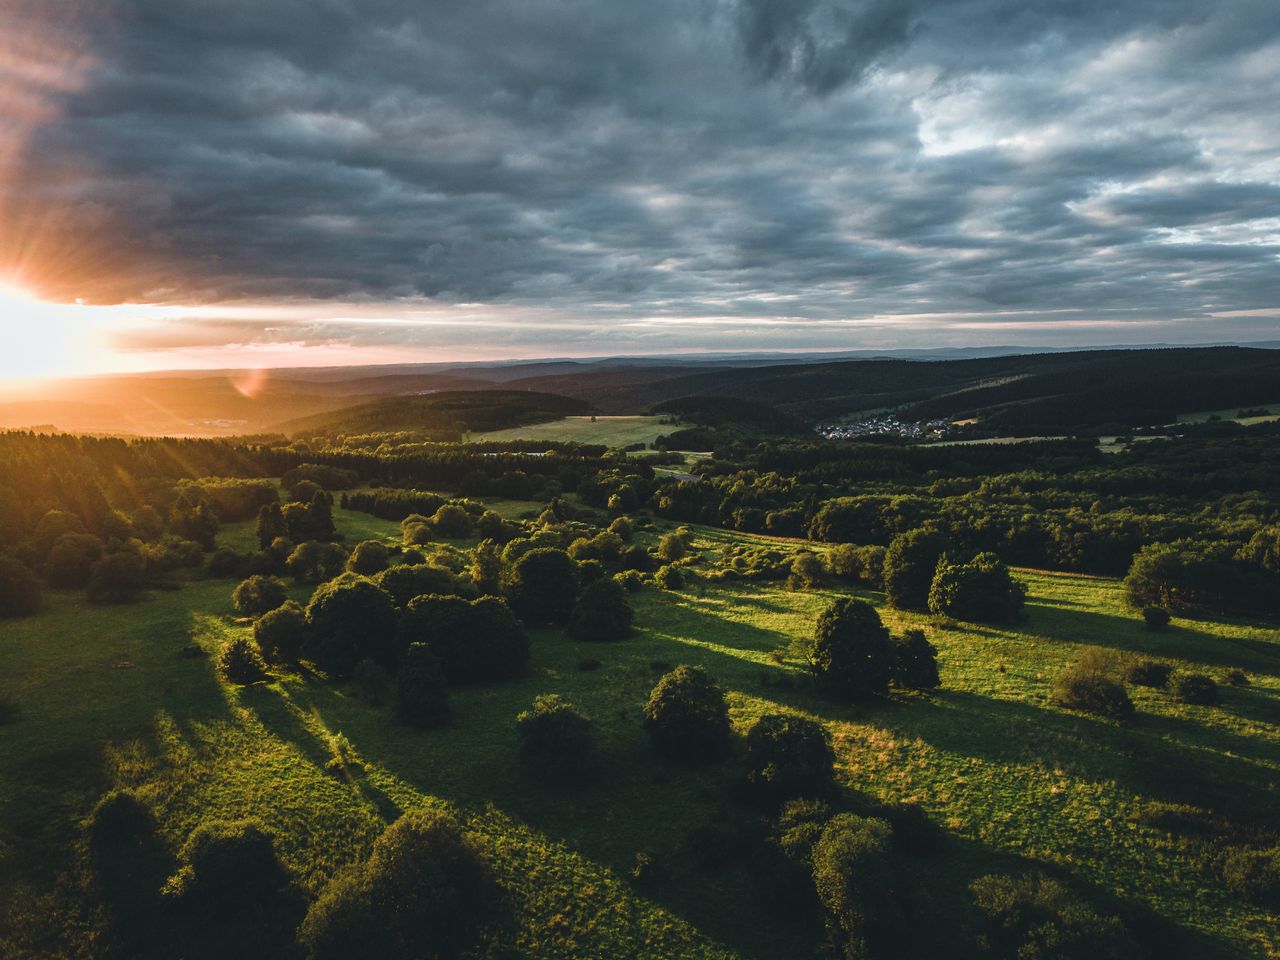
x: 554, y: 739
x: 117, y: 578
x: 854, y: 876
x: 368, y: 557
x: 686, y: 716
x: 230, y: 866
x: 474, y: 641
x: 258, y: 595
x: 909, y: 565
x: 419, y: 579
x: 851, y: 655
x: 915, y: 661
x: 20, y: 594
x: 270, y: 525
x: 281, y: 633
x: 601, y: 613
x: 314, y: 561
x: 1092, y: 685
x: 421, y: 698
x: 350, y: 618
x: 241, y: 662
x: 486, y: 568
x: 789, y: 757
x: 672, y: 547
x: 70, y: 561
x: 193, y: 518
x: 543, y: 587
x: 452, y: 522
x: 425, y: 893
x: 981, y: 590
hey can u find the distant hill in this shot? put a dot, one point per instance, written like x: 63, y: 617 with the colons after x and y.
x: 444, y: 415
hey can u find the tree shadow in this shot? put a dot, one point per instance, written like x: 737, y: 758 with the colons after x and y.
x: 1178, y: 641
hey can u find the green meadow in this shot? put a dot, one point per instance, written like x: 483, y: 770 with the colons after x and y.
x: 608, y: 431
x: 129, y: 697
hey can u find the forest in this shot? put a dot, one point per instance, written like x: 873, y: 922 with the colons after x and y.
x: 371, y: 690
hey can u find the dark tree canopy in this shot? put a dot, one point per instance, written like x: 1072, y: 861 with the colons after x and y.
x: 350, y: 618
x: 686, y: 717
x: 852, y: 655
x: 543, y: 586
x: 909, y: 566
x: 601, y: 613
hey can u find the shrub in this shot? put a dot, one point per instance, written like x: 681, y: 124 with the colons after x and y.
x: 623, y: 528
x: 225, y: 563
x: 259, y: 595
x: 452, y: 522
x: 282, y: 632
x: 555, y: 739
x: 350, y: 618
x: 1037, y: 918
x: 669, y: 577
x: 915, y: 661
x: 369, y: 557
x: 1195, y: 688
x: 672, y: 546
x: 855, y: 564
x: 19, y: 589
x: 851, y: 654
x: 631, y: 581
x: 908, y: 568
x: 981, y: 590
x: 854, y: 878
x: 229, y: 866
x: 807, y: 571
x: 543, y: 586
x: 120, y: 821
x: 404, y: 583
x: 315, y: 561
x: 486, y: 568
x: 1253, y: 874
x: 1155, y: 618
x: 686, y: 716
x: 789, y: 757
x: 425, y: 893
x: 421, y: 698
x: 1090, y: 685
x: 117, y: 578
x: 240, y: 661
x: 601, y: 613
x: 1148, y: 673
x: 474, y: 641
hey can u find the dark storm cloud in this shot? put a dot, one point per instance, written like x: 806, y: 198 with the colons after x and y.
x: 809, y: 162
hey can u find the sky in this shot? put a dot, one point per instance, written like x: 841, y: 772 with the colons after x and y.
x: 228, y: 183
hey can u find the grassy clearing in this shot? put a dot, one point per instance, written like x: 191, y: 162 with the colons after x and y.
x: 107, y: 699
x: 609, y: 431
x: 1229, y: 413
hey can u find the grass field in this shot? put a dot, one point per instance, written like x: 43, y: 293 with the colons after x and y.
x: 1229, y: 413
x: 609, y: 431
x: 107, y: 699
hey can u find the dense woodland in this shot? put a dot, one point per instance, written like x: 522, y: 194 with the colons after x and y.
x: 452, y: 600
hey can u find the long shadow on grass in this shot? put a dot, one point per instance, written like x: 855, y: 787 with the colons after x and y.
x: 1183, y: 642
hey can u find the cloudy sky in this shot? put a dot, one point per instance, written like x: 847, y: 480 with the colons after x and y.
x: 238, y: 182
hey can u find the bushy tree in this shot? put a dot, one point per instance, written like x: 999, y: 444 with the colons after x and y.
x: 227, y: 867
x: 669, y: 577
x: 686, y: 716
x: 981, y: 590
x: 915, y: 661
x: 281, y: 633
x: 241, y: 662
x: 20, y: 594
x: 452, y: 522
x: 553, y: 739
x: 475, y: 641
x: 425, y: 893
x: 789, y: 757
x: 543, y: 586
x: 855, y: 878
x: 117, y: 578
x: 1037, y: 918
x: 419, y: 579
x: 315, y: 561
x: 421, y: 697
x: 909, y: 566
x: 855, y: 564
x: 1092, y: 685
x: 258, y: 595
x: 671, y: 547
x: 1195, y: 688
x: 350, y: 618
x: 70, y: 561
x: 601, y: 613
x: 851, y: 654
x: 368, y: 557
x: 193, y: 518
x: 486, y: 568
x: 807, y: 571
